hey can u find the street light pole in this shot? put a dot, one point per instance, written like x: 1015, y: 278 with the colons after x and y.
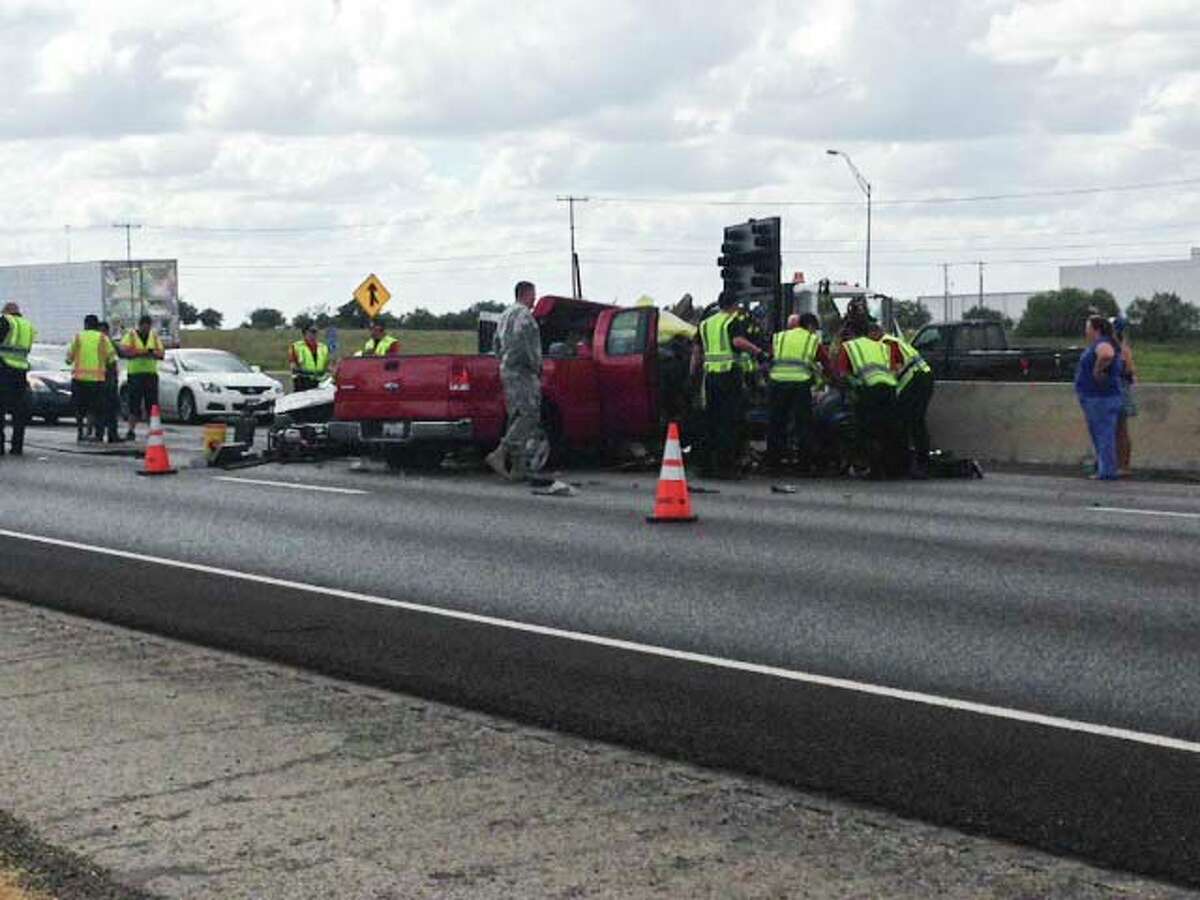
x: 865, y: 187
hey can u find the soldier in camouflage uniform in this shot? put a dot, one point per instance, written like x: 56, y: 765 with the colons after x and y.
x: 519, y: 346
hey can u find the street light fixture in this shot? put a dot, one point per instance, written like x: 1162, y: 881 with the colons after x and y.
x: 866, y: 189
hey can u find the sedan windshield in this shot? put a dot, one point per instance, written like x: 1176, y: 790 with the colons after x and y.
x: 211, y: 362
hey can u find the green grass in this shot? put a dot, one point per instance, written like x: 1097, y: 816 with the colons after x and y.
x: 1176, y: 362
x: 1156, y: 362
x: 268, y: 348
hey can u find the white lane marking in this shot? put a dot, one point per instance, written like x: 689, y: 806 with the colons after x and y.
x: 1147, y: 512
x: 859, y: 687
x: 288, y: 484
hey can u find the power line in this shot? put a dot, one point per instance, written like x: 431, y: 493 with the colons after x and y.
x: 270, y: 229
x: 300, y: 272
x: 200, y: 261
x: 975, y: 198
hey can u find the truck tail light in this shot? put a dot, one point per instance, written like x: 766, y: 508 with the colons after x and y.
x: 460, y: 378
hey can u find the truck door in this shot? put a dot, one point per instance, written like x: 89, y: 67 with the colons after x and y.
x: 625, y: 347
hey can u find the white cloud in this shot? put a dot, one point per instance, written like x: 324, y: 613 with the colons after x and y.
x: 449, y: 130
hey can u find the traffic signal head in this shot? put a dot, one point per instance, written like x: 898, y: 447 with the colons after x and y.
x: 750, y: 258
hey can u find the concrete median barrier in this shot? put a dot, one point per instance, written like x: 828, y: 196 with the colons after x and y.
x: 1042, y: 423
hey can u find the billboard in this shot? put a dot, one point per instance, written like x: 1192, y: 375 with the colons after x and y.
x: 149, y: 286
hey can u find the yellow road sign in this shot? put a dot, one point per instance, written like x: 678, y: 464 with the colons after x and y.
x: 372, y: 296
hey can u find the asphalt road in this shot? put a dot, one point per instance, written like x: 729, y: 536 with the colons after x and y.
x: 1017, y: 656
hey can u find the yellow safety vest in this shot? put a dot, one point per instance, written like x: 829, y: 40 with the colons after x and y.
x: 141, y: 365
x: 718, y: 348
x: 913, y: 361
x: 308, y: 365
x: 14, y: 352
x: 90, y: 354
x: 373, y: 349
x: 795, y: 352
x: 870, y: 363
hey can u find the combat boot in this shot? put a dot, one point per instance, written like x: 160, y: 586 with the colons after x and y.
x: 496, y: 461
x: 520, y: 471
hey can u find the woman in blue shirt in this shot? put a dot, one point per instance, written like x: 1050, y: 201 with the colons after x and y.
x: 1098, y: 386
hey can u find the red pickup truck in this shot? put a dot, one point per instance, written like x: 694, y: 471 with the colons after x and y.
x: 600, y: 384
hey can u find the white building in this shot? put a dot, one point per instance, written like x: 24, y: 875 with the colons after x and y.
x: 1128, y: 281
x: 948, y: 309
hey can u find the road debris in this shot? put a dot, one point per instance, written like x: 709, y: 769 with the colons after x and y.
x: 555, y: 489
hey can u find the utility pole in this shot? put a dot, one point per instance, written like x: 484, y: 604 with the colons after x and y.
x: 981, y: 265
x: 129, y: 226
x: 576, y: 277
x: 945, y: 292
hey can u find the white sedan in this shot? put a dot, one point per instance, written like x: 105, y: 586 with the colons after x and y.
x: 199, y: 384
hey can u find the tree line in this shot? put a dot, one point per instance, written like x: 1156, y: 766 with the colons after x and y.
x: 1064, y: 312
x: 348, y: 315
x: 1060, y: 313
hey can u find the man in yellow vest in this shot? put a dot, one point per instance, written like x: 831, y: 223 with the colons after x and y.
x: 380, y: 343
x: 16, y: 338
x: 90, y: 354
x: 914, y: 388
x: 797, y: 357
x: 309, y: 361
x: 143, y: 349
x: 719, y: 353
x: 866, y: 365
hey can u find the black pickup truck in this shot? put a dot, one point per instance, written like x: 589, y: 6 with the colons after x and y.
x: 979, y: 351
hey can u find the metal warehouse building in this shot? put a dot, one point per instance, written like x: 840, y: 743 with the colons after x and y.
x: 1128, y: 281
x: 946, y: 308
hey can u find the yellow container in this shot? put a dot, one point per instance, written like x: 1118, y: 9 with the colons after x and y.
x: 214, y: 437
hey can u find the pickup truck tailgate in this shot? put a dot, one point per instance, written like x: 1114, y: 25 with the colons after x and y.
x: 395, y: 387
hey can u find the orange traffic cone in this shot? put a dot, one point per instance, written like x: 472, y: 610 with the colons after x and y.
x: 157, y: 461
x: 672, y: 502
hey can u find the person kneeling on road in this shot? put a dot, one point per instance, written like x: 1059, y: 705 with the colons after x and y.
x: 518, y: 343
x: 143, y: 349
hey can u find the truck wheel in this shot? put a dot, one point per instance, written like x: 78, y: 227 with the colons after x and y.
x: 187, y: 407
x: 417, y: 458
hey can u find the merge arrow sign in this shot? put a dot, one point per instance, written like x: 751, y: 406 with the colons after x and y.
x: 372, y: 296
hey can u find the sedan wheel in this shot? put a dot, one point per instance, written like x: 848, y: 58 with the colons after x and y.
x: 187, y: 408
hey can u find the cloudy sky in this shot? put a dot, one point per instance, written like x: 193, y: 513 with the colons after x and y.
x: 281, y: 151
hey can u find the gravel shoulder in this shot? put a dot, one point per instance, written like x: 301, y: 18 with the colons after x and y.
x: 31, y: 869
x: 185, y: 772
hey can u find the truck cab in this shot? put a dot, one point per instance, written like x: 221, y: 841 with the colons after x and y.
x: 978, y: 349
